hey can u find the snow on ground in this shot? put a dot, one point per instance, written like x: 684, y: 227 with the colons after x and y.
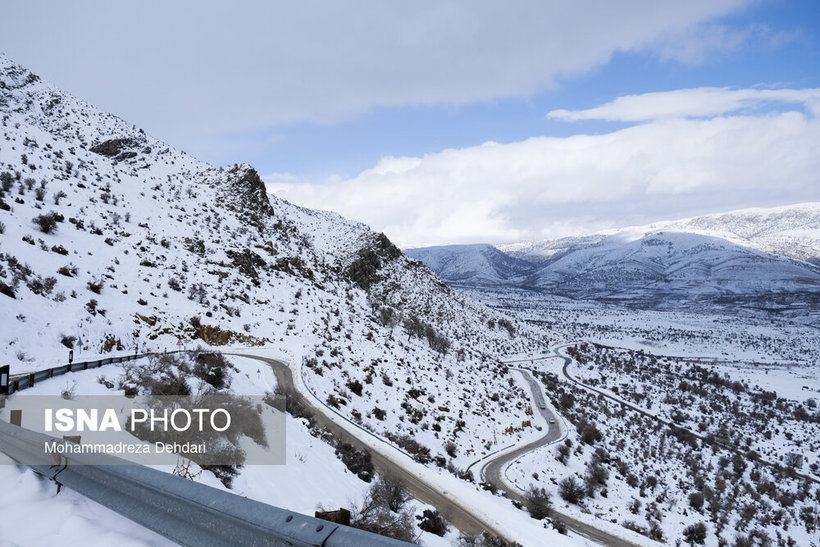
x: 312, y: 478
x: 72, y: 518
x: 792, y: 382
x: 495, y: 510
x: 682, y: 366
x: 712, y: 333
x: 150, y: 245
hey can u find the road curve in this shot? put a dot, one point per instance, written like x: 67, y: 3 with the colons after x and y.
x: 493, y: 472
x: 458, y: 516
x: 493, y: 469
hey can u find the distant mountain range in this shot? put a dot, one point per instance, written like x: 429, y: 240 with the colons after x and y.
x: 757, y: 257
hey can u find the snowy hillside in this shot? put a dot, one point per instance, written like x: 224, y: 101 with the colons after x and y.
x: 111, y: 238
x: 676, y: 266
x: 707, y: 259
x: 792, y: 231
x: 471, y: 264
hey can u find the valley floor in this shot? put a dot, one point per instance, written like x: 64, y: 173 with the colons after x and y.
x: 725, y: 435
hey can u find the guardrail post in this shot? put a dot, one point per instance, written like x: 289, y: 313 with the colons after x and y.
x: 342, y: 516
x: 4, y: 380
x: 31, y: 380
x: 16, y: 417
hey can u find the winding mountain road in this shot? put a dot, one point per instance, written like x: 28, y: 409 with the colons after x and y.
x: 459, y: 516
x: 493, y: 471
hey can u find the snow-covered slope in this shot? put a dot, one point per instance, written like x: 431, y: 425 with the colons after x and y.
x: 672, y: 266
x: 792, y: 231
x: 471, y: 264
x: 110, y: 239
x: 757, y: 257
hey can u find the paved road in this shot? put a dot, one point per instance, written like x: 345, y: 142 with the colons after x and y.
x: 460, y: 517
x: 493, y: 471
x: 457, y: 515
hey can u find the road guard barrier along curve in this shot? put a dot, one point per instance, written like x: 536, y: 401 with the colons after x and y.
x: 179, y: 509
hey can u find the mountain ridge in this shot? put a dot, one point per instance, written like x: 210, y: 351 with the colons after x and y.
x: 719, y: 258
x: 788, y: 230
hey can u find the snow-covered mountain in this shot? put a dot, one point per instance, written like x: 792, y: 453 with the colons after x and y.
x: 111, y: 240
x: 667, y: 267
x: 792, y: 231
x: 756, y: 257
x: 475, y: 265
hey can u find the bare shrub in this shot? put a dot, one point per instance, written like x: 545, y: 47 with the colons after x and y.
x: 433, y: 522
x: 212, y: 368
x: 47, y: 223
x: 69, y: 391
x: 564, y: 452
x: 695, y: 534
x: 571, y: 490
x: 357, y: 461
x: 69, y: 270
x: 538, y: 503
x: 390, y: 493
x: 696, y: 501
x: 294, y: 403
x: 373, y: 515
x: 485, y: 539
x: 95, y: 286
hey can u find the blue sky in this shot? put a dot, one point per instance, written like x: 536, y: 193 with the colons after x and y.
x: 381, y: 111
x: 346, y: 148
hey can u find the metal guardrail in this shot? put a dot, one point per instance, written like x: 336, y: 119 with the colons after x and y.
x: 17, y: 382
x: 179, y: 509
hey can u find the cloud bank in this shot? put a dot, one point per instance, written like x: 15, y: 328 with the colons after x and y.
x: 697, y: 102
x: 191, y: 70
x: 696, y: 151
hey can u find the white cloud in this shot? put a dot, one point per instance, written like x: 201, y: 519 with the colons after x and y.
x: 697, y: 102
x: 667, y: 168
x: 190, y: 70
